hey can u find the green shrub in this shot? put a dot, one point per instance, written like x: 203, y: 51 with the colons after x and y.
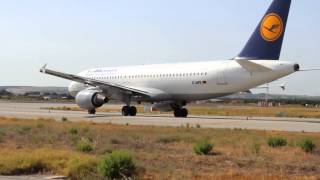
x: 277, y: 142
x: 117, y: 165
x: 73, y: 131
x: 203, y: 147
x: 84, y: 145
x: 307, y: 145
x: 64, y: 119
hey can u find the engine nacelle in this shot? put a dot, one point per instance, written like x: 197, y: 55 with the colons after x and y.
x: 162, y: 107
x: 90, y: 99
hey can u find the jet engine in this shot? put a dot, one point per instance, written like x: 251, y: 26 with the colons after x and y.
x: 90, y: 99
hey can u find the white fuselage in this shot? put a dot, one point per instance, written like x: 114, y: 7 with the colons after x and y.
x: 187, y: 81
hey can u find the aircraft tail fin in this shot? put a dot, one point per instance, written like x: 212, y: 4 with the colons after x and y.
x: 266, y: 41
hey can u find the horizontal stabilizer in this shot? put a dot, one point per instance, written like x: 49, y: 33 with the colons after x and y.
x: 253, y: 67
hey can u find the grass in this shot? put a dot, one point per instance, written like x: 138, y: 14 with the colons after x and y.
x: 168, y: 139
x: 73, y: 131
x: 307, y: 145
x: 277, y: 142
x: 43, y: 160
x: 256, y: 147
x: 283, y: 111
x: 46, y: 147
x: 117, y: 165
x: 202, y: 147
x: 250, y: 111
x: 84, y: 145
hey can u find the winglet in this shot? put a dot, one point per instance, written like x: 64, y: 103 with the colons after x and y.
x: 43, y: 68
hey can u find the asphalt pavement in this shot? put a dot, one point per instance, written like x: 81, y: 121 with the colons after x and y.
x: 40, y: 110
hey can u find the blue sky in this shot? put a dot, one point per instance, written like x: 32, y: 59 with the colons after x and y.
x: 77, y: 34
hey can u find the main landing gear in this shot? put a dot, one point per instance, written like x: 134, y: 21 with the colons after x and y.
x: 129, y: 111
x: 91, y: 111
x: 126, y: 111
x: 180, y: 112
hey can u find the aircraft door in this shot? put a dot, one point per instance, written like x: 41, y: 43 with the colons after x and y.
x: 221, y: 75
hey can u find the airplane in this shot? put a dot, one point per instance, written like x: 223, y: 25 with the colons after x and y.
x: 170, y: 87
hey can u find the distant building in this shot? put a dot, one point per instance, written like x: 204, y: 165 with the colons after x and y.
x: 266, y: 104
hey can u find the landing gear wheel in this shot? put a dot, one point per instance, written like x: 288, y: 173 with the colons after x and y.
x: 125, y: 110
x: 129, y: 111
x: 133, y: 111
x: 92, y: 111
x: 181, y: 112
x: 184, y: 112
x: 177, y: 112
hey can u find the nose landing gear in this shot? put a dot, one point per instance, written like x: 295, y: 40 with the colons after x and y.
x: 92, y: 111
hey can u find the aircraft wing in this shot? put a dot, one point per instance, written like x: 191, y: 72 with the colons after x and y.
x: 104, y: 86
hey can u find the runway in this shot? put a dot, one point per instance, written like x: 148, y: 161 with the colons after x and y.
x: 38, y: 110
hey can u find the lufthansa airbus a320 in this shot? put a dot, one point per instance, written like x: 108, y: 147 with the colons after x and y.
x: 170, y: 87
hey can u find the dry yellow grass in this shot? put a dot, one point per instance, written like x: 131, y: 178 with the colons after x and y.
x: 46, y: 146
x: 43, y: 160
x: 285, y: 111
